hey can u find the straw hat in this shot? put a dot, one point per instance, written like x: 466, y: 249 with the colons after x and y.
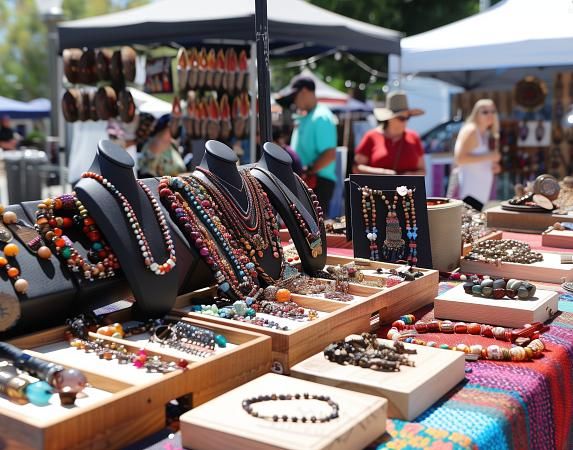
x: 396, y: 105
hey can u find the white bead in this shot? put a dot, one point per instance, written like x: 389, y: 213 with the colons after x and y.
x: 154, y: 266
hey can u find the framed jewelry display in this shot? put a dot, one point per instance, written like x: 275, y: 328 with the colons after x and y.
x: 389, y: 219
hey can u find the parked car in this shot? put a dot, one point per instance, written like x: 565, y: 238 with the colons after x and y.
x: 442, y: 138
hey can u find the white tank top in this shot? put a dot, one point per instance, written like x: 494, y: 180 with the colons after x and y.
x: 476, y: 179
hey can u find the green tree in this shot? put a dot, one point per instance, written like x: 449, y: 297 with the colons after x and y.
x: 23, y: 42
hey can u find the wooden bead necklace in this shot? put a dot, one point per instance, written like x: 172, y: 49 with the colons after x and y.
x: 409, y: 209
x: 334, y: 414
x: 254, y: 236
x: 28, y: 235
x: 101, y: 261
x: 234, y: 278
x: 131, y: 218
x: 369, y: 219
x: 528, y: 347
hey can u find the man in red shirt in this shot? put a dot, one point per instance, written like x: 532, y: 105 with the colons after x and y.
x: 390, y: 148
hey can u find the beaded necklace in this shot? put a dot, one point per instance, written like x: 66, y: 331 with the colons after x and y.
x: 131, y: 217
x: 393, y: 246
x: 411, y: 226
x: 504, y: 250
x: 247, y: 406
x: 234, y: 273
x: 528, y: 347
x: 369, y: 219
x: 101, y: 261
x: 265, y: 227
x: 310, y: 226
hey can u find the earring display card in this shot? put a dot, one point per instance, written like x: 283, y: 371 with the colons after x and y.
x: 391, y: 224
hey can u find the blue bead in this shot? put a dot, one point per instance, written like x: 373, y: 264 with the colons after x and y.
x: 225, y: 286
x: 221, y: 340
x: 39, y: 393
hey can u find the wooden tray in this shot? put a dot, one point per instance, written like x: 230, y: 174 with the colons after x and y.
x: 455, y: 304
x: 113, y: 414
x: 391, y: 303
x: 494, y: 235
x: 332, y: 240
x: 522, y: 221
x: 222, y: 423
x: 247, y: 356
x: 410, y: 391
x: 304, y: 338
x: 556, y: 238
x: 550, y: 270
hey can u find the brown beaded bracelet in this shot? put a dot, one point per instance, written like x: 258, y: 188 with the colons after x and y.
x: 247, y: 406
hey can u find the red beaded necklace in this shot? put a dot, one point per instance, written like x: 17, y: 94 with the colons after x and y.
x: 131, y: 218
x: 406, y: 330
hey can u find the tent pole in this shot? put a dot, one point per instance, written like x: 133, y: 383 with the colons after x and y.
x: 253, y: 112
x: 263, y: 77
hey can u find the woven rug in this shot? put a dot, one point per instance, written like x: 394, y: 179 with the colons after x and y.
x: 501, y: 405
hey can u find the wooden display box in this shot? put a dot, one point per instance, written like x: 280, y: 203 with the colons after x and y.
x: 494, y: 235
x: 550, y: 270
x: 409, y: 391
x: 533, y: 222
x: 222, y: 423
x: 304, y: 338
x: 111, y: 415
x: 247, y: 356
x: 390, y: 303
x: 332, y: 240
x: 135, y: 405
x: 556, y: 238
x: 338, y: 319
x: 455, y: 304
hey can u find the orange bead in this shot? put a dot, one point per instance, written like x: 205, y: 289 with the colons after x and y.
x: 11, y: 250
x: 282, y: 295
x: 106, y: 331
x: 3, y: 261
x: 13, y: 272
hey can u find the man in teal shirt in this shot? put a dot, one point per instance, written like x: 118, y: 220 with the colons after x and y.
x: 314, y: 138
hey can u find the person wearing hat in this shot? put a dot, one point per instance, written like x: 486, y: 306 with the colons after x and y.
x: 159, y: 156
x: 391, y: 148
x: 314, y: 138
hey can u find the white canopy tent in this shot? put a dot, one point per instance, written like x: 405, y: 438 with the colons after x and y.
x: 494, y: 48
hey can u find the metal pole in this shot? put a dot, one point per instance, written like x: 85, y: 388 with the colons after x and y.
x: 253, y: 113
x: 52, y: 23
x: 263, y: 77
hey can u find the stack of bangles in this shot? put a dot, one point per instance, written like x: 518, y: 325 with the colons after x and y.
x: 527, y: 344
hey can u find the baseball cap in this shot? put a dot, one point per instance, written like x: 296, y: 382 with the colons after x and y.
x: 298, y: 83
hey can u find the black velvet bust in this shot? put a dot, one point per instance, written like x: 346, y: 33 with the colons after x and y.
x: 154, y: 294
x: 274, y: 172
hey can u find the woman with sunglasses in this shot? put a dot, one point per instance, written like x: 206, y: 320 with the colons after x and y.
x: 476, y: 164
x: 390, y: 148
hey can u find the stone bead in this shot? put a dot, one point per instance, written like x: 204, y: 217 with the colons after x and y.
x: 468, y: 285
x: 421, y: 327
x: 494, y: 352
x: 523, y: 293
x: 499, y: 284
x: 474, y: 328
x: 499, y: 333
x: 39, y: 393
x: 488, y: 282
x: 21, y: 286
x: 460, y: 328
x: 487, y: 291
x: 463, y: 348
x: 511, y: 293
x: 433, y: 326
x: 476, y: 349
x: 486, y: 331
x: 536, y: 345
x: 517, y: 353
x: 476, y: 289
x: 11, y: 250
x: 44, y: 252
x: 399, y: 324
x: 9, y: 217
x: 498, y: 294
x: 446, y: 326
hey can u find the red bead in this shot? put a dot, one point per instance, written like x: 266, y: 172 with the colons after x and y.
x: 486, y: 331
x: 182, y: 363
x: 58, y: 232
x: 421, y: 327
x: 460, y: 328
x: 67, y: 222
x: 94, y: 236
x: 60, y: 243
x: 433, y: 326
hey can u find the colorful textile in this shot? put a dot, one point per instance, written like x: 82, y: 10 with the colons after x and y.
x: 501, y: 405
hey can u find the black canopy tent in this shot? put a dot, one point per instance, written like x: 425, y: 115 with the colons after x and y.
x: 294, y: 27
x: 188, y: 22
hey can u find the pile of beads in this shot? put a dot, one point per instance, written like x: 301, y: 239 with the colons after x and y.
x: 368, y: 352
x: 499, y: 288
x: 247, y: 406
x: 240, y: 312
x: 188, y: 338
x: 504, y: 250
x: 529, y: 345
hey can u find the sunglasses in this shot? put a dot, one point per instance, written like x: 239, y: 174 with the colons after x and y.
x: 402, y: 118
x: 486, y: 112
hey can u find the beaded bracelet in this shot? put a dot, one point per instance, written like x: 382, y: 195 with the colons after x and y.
x: 247, y: 406
x: 499, y: 288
